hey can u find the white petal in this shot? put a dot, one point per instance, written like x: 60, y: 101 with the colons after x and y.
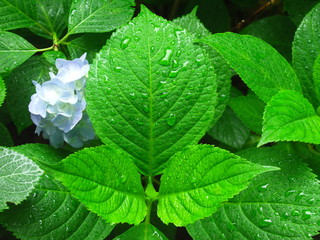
x: 37, y: 106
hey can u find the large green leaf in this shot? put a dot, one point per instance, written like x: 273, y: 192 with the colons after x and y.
x: 198, y: 179
x: 316, y: 78
x: 20, y: 88
x: 230, y: 130
x: 290, y: 117
x: 305, y: 50
x: 18, y: 177
x: 5, y: 139
x: 250, y: 110
x: 143, y: 231
x: 155, y: 85
x: 99, y: 15
x: 259, y: 65
x: 281, y: 205
x: 106, y: 181
x: 297, y: 9
x: 14, y: 50
x: 192, y: 24
x: 2, y: 91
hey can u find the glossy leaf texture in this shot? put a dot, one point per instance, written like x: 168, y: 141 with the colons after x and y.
x: 281, y: 205
x: 106, y: 181
x: 258, y: 64
x: 230, y: 130
x: 2, y: 91
x: 99, y: 15
x: 204, y: 177
x: 50, y: 212
x: 305, y: 50
x: 20, y: 88
x: 143, y: 231
x: 290, y: 117
x: 18, y: 177
x: 6, y: 139
x: 316, y: 77
x: 14, y: 50
x: 155, y: 85
x: 298, y: 9
x: 250, y: 110
x: 192, y: 24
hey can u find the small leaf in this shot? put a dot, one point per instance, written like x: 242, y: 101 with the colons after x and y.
x: 250, y: 110
x: 198, y: 179
x: 50, y: 212
x: 305, y: 50
x: 20, y: 88
x: 259, y: 65
x: 106, y: 182
x: 290, y: 117
x: 18, y: 175
x: 143, y: 231
x: 14, y: 50
x: 230, y: 130
x: 2, y: 91
x: 277, y: 205
x: 155, y: 85
x: 99, y: 15
x: 5, y: 139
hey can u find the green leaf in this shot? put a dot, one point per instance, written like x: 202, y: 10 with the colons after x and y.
x: 143, y: 231
x: 51, y: 213
x: 250, y: 110
x: 5, y: 139
x: 290, y: 117
x: 51, y: 17
x: 259, y: 65
x: 155, y: 85
x: 198, y: 179
x: 276, y: 30
x: 51, y: 56
x: 99, y: 15
x: 14, y: 50
x: 106, y: 182
x: 192, y: 24
x: 20, y: 88
x: 316, y: 77
x: 18, y: 174
x: 305, y: 50
x: 297, y: 9
x: 277, y: 205
x: 230, y: 130
x: 2, y: 91
x: 89, y: 43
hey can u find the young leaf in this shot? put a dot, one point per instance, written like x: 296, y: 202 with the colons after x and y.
x: 198, y: 179
x: 259, y: 65
x: 250, y: 110
x: 230, y: 130
x: 5, y: 139
x: 316, y: 77
x: 99, y: 15
x: 51, y: 213
x: 20, y: 88
x: 155, y: 85
x: 290, y: 117
x: 18, y: 174
x: 14, y: 50
x: 143, y: 231
x: 106, y: 181
x: 305, y: 50
x: 278, y: 205
x: 192, y: 24
x: 2, y: 91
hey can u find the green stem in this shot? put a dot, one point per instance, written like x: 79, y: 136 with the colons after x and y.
x: 45, y: 49
x: 149, y: 208
x: 312, y: 150
x: 63, y: 39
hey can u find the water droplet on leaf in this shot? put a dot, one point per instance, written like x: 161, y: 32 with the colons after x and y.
x: 124, y: 44
x: 171, y: 120
x: 165, y: 61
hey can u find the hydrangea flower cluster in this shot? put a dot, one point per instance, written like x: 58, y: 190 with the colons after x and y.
x: 57, y: 107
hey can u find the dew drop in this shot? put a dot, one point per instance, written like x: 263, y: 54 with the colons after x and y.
x: 146, y: 109
x: 118, y: 69
x: 171, y: 120
x: 306, y: 214
x: 289, y: 192
x: 285, y: 215
x: 124, y: 44
x: 265, y: 222
x: 152, y: 49
x: 188, y: 96
x: 165, y: 61
x: 123, y: 178
x: 295, y: 213
x: 263, y: 188
x: 132, y: 95
x: 40, y: 222
x: 300, y: 196
x: 164, y: 95
x: 140, y: 123
x: 136, y: 38
x: 144, y: 95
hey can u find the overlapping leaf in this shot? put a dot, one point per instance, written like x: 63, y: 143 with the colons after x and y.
x: 290, y: 117
x: 155, y: 85
x: 281, y: 205
x: 305, y: 50
x: 316, y: 77
x: 144, y: 231
x: 18, y: 177
x: 5, y: 139
x: 2, y: 91
x: 14, y: 50
x: 106, y: 181
x: 259, y: 65
x: 99, y: 15
x: 203, y: 177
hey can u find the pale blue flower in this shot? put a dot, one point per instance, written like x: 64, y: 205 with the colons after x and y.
x: 57, y: 107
